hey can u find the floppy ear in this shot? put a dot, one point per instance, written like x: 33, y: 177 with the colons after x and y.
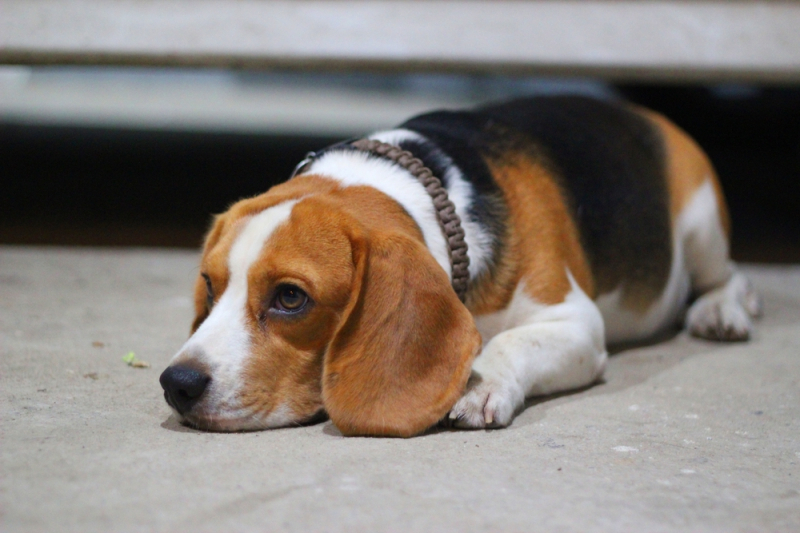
x: 403, y: 351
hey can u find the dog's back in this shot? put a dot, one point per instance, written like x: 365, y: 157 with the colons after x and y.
x: 625, y: 176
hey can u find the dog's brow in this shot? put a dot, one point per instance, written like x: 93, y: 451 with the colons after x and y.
x: 247, y: 246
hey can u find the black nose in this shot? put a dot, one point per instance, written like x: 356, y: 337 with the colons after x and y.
x: 183, y: 386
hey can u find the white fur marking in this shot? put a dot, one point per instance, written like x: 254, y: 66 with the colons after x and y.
x: 532, y: 349
x: 222, y: 341
x: 278, y: 417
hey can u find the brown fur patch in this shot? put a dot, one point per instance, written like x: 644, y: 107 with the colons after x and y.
x: 542, y: 239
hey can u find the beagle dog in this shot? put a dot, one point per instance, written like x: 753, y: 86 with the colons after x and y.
x: 584, y: 222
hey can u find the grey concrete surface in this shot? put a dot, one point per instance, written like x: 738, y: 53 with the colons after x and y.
x: 685, y: 435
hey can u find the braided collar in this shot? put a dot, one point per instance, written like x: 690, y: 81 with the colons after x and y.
x: 449, y: 221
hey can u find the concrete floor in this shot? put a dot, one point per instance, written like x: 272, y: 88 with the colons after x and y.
x: 685, y: 435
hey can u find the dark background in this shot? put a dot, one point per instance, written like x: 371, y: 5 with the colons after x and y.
x: 116, y: 187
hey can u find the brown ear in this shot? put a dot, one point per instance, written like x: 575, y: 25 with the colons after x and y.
x: 402, y: 354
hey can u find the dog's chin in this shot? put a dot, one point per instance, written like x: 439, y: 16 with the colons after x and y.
x: 221, y: 424
x: 236, y: 422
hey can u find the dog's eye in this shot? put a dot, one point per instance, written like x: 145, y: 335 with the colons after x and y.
x: 290, y: 299
x: 209, y: 291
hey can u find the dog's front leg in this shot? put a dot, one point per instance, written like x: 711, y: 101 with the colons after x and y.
x: 560, y: 347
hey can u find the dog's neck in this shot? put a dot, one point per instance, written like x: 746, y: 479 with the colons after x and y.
x: 380, y: 164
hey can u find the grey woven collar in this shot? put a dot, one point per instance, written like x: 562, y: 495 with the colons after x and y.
x: 449, y: 221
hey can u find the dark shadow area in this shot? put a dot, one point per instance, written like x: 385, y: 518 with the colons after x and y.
x: 331, y: 430
x: 173, y: 424
x: 94, y: 186
x: 661, y: 336
x: 111, y: 187
x: 752, y: 135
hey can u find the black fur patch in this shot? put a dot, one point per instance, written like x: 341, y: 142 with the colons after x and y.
x: 610, y: 164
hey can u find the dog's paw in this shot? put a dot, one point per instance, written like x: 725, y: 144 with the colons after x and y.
x: 725, y: 314
x: 487, y: 403
x: 719, y: 321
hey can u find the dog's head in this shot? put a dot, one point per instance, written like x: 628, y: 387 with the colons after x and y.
x: 321, y: 302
